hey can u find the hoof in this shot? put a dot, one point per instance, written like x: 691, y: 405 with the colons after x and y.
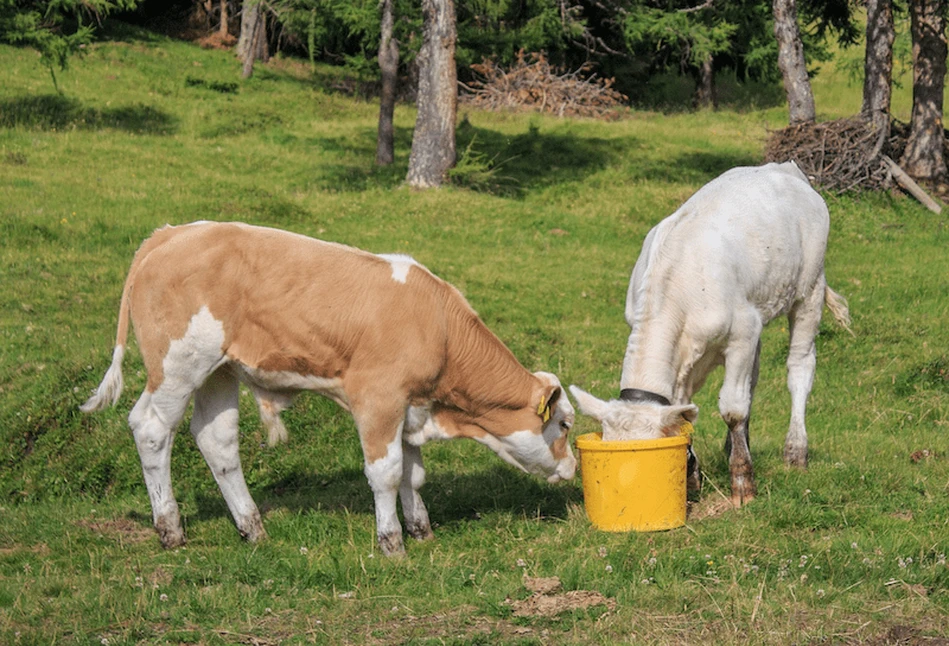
x: 743, y: 491
x: 794, y: 457
x: 391, y: 545
x: 170, y: 537
x: 253, y: 531
x: 739, y: 500
x: 420, y: 532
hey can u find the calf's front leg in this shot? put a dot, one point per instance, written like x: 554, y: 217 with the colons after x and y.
x: 693, y: 478
x: 380, y: 432
x: 734, y: 402
x: 739, y: 462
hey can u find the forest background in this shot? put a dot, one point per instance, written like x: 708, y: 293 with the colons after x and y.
x: 631, y: 41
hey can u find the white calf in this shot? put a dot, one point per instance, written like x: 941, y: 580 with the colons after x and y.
x: 747, y: 247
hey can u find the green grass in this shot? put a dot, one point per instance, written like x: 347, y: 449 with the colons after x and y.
x: 151, y: 131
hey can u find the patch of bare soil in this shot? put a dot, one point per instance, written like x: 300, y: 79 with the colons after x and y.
x: 41, y: 549
x: 547, y: 601
x: 459, y: 625
x: 217, y: 40
x: 902, y: 636
x: 123, y: 528
x: 710, y: 507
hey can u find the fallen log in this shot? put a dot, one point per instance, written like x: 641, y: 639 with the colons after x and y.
x: 911, y: 186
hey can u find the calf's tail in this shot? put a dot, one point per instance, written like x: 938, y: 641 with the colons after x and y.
x: 109, y: 391
x: 837, y: 305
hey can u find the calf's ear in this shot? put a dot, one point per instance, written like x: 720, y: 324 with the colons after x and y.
x: 548, y: 399
x: 675, y: 416
x: 590, y: 405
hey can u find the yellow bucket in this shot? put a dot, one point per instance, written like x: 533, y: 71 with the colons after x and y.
x: 636, y: 485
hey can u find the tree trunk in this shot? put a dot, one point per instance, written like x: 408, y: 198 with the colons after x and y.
x: 223, y: 28
x: 389, y: 67
x: 705, y: 85
x: 878, y: 65
x: 252, y: 44
x: 791, y: 62
x: 433, y: 142
x: 924, y: 157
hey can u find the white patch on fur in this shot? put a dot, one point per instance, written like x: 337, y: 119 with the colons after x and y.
x: 525, y: 450
x: 420, y: 426
x: 624, y: 420
x: 385, y: 476
x: 401, y: 264
x: 195, y: 356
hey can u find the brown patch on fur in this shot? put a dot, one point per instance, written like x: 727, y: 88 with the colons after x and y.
x: 559, y: 447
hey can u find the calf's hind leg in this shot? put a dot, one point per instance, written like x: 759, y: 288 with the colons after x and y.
x: 153, y: 420
x: 214, y: 427
x: 803, y: 323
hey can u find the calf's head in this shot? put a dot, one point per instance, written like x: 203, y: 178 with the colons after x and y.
x: 627, y: 420
x: 541, y: 445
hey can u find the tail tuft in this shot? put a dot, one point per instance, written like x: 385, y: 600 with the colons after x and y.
x: 109, y: 391
x: 837, y: 305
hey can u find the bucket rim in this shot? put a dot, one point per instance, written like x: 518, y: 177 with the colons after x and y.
x: 594, y: 442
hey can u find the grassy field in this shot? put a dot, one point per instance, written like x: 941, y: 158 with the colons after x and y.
x: 150, y: 131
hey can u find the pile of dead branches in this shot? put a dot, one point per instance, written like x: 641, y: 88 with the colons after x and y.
x: 848, y: 155
x: 839, y: 156
x: 534, y: 84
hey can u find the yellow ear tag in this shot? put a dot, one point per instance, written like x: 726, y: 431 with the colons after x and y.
x: 686, y: 429
x: 543, y: 409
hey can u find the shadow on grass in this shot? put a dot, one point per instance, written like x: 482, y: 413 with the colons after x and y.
x: 450, y: 498
x: 514, y: 165
x: 56, y: 112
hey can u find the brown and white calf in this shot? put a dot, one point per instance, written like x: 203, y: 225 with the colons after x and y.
x: 215, y: 304
x: 747, y: 247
